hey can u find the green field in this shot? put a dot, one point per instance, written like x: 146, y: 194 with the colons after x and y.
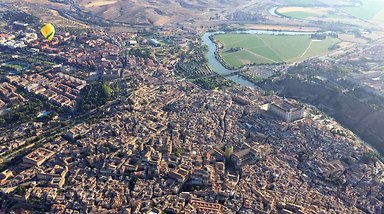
x: 15, y: 65
x: 368, y: 10
x: 245, y: 49
x: 305, y: 15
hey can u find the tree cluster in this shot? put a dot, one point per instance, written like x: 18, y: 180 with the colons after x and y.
x: 95, y: 95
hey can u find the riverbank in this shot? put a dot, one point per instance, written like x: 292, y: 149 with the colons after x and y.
x: 219, y: 58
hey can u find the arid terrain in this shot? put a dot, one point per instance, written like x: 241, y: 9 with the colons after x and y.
x: 163, y: 11
x: 137, y: 13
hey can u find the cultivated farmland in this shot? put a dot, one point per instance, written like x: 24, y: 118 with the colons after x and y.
x: 243, y: 49
x: 308, y: 12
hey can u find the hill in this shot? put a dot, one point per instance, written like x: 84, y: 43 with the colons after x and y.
x: 160, y: 12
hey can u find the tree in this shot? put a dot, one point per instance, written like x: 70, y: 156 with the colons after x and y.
x: 95, y: 95
x: 107, y: 91
x: 22, y: 112
x: 178, y: 151
x: 369, y: 157
x: 20, y: 190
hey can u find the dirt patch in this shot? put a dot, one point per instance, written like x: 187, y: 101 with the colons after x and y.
x: 161, y: 21
x: 45, y: 2
x: 345, y: 44
x: 315, y: 10
x: 244, y: 61
x: 351, y: 38
x: 99, y: 3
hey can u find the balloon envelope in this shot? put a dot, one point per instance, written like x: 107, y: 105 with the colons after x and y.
x: 48, y: 31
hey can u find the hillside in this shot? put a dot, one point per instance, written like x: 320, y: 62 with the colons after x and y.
x: 160, y: 12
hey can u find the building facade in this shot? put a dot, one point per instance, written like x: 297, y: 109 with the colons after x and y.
x: 286, y: 110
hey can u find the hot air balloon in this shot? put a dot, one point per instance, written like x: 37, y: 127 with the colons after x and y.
x: 48, y: 31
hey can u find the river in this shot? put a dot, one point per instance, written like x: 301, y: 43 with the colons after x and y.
x: 272, y: 11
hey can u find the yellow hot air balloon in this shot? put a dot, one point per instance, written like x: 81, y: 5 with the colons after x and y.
x: 48, y: 31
